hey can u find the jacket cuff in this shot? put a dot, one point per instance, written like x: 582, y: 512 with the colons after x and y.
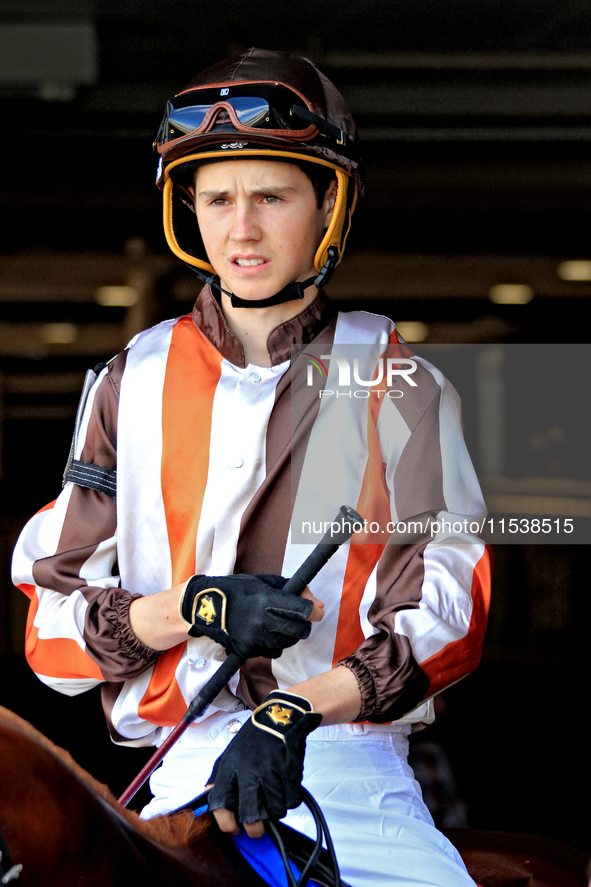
x: 123, y: 631
x: 109, y: 637
x: 367, y: 686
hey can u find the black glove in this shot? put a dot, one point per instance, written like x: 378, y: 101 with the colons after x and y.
x: 248, y: 615
x: 259, y: 776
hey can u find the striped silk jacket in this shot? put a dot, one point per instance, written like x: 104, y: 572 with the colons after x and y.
x: 226, y: 468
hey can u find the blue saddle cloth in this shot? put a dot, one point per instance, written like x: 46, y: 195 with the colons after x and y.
x: 262, y: 855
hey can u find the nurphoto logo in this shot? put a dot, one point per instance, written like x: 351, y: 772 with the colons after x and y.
x: 387, y: 370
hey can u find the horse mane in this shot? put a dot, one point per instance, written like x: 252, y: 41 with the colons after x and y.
x: 181, y: 829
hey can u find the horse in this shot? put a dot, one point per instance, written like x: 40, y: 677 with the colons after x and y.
x: 65, y: 828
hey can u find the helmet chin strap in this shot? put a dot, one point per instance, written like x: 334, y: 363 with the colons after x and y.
x: 289, y: 293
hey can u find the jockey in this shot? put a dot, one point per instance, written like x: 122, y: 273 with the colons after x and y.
x: 205, y: 453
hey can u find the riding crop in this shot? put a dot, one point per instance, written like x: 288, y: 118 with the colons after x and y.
x: 345, y: 521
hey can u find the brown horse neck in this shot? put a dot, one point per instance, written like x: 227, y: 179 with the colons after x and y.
x: 66, y: 828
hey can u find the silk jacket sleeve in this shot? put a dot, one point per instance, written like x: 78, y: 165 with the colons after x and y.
x: 426, y: 625
x: 78, y: 631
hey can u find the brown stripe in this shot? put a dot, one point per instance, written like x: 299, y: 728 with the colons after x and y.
x: 115, y: 370
x: 397, y: 682
x: 265, y: 523
x: 421, y: 458
x: 91, y: 517
x: 394, y: 683
x: 415, y: 402
x: 399, y: 580
x: 256, y: 681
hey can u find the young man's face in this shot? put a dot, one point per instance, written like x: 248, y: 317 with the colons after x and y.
x: 260, y: 224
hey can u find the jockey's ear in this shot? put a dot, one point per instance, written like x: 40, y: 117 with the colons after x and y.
x: 329, y: 202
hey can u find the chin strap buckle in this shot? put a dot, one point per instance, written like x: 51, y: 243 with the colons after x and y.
x: 327, y: 268
x: 289, y: 293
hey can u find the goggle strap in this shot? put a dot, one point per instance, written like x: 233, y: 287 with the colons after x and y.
x: 341, y: 137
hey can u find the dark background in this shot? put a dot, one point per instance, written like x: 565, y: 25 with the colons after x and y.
x: 476, y: 125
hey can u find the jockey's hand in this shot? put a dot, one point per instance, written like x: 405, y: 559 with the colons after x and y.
x: 248, y: 615
x: 259, y: 775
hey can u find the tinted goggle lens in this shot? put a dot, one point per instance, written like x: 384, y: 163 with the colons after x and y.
x: 256, y: 112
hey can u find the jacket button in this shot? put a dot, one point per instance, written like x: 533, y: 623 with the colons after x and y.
x: 233, y: 726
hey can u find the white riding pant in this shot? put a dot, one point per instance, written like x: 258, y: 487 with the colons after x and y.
x: 358, y: 773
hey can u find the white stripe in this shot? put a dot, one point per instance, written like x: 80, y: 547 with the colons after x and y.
x: 144, y: 559
x: 39, y: 539
x: 362, y: 328
x: 237, y: 453
x: 68, y: 686
x: 369, y: 596
x: 314, y: 655
x: 336, y: 456
x: 61, y: 616
x: 461, y: 489
x: 446, y: 603
x: 96, y: 570
x: 394, y: 435
x: 124, y: 716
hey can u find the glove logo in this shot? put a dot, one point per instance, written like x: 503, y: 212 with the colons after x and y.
x: 209, y: 609
x: 280, y: 714
x: 206, y: 611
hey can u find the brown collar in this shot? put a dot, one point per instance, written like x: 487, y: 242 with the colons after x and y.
x: 301, y: 329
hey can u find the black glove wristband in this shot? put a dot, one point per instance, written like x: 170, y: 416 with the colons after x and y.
x: 248, y: 615
x: 259, y: 776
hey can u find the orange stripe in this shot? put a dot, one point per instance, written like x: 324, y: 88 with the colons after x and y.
x: 360, y: 564
x: 29, y: 590
x: 55, y: 657
x: 374, y: 506
x: 461, y: 657
x: 163, y: 703
x: 193, y: 369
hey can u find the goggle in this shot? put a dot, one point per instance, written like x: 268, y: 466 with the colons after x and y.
x: 274, y: 109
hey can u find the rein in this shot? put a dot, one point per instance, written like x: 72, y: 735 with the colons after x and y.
x: 311, y: 865
x: 313, y: 861
x: 8, y: 871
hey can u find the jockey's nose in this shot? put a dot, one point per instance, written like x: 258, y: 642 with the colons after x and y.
x: 245, y: 226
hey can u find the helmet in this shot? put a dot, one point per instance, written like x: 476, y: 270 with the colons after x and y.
x: 259, y: 104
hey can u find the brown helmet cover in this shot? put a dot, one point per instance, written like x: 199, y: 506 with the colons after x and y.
x: 268, y: 66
